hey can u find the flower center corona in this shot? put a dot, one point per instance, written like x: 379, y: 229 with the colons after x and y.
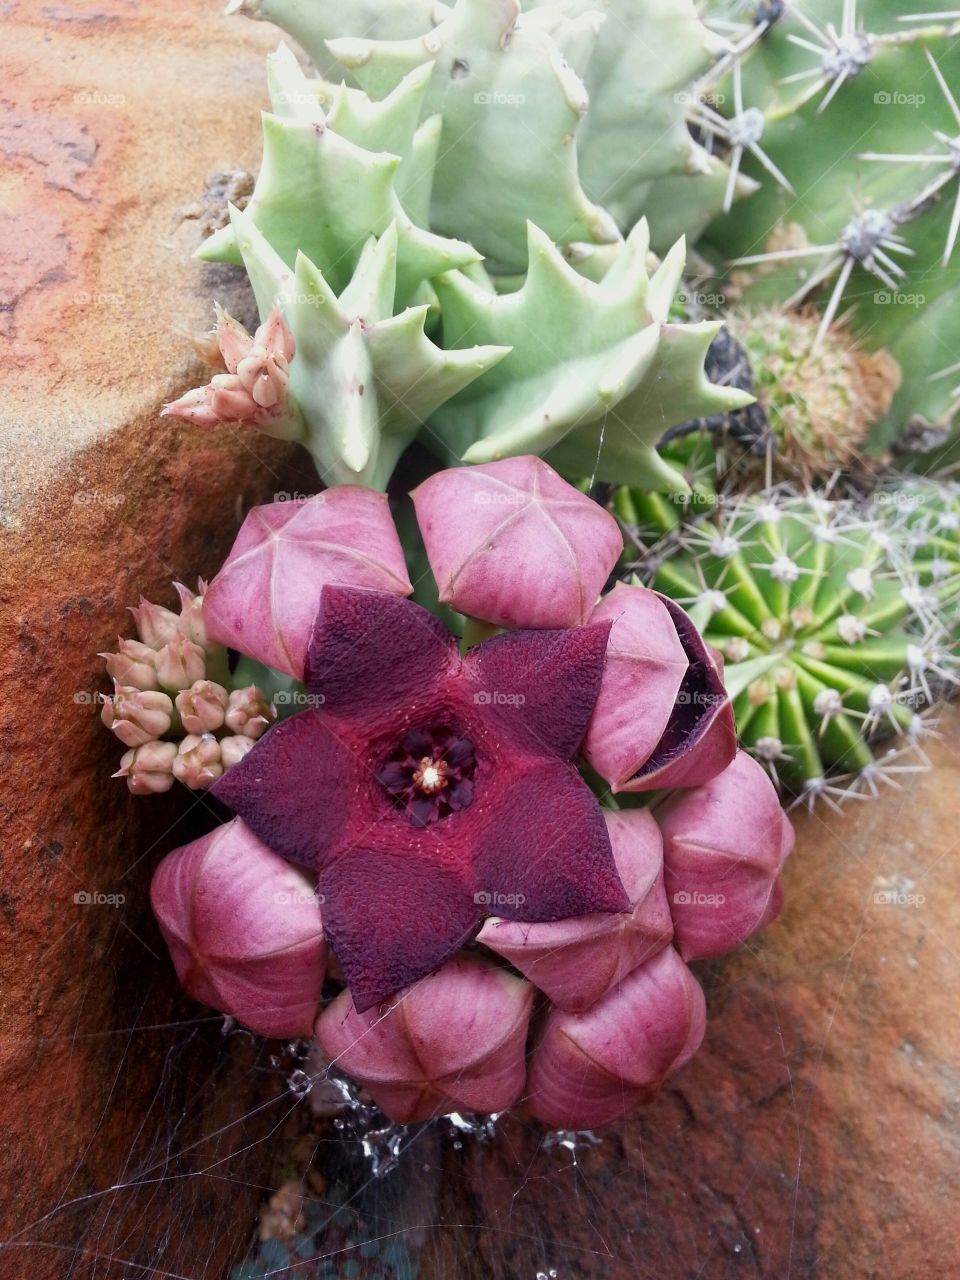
x: 430, y: 775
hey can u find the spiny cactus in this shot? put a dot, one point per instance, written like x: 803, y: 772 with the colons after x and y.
x: 363, y: 236
x: 856, y: 110
x: 830, y: 642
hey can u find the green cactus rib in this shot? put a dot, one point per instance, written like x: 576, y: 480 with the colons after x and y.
x: 596, y: 372
x: 570, y: 113
x: 323, y: 191
x: 926, y: 515
x: 893, y: 106
x: 365, y: 379
x: 810, y: 605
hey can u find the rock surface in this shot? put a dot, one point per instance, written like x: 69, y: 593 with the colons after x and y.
x: 113, y: 112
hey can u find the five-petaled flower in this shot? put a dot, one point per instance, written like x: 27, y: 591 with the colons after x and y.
x: 417, y: 800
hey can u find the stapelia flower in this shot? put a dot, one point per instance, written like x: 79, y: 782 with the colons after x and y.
x: 244, y: 930
x: 724, y: 844
x: 576, y: 962
x: 513, y: 544
x: 589, y: 1068
x: 254, y: 390
x: 199, y: 761
x: 428, y: 790
x: 265, y: 598
x: 453, y: 1040
x: 663, y: 718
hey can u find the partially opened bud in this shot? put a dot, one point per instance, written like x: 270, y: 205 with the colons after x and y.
x: 203, y: 706
x: 454, y: 1040
x: 180, y: 663
x: 137, y: 716
x: 265, y: 598
x: 590, y: 1068
x: 156, y: 625
x: 577, y: 961
x: 243, y: 927
x: 662, y: 718
x: 134, y: 665
x: 249, y: 712
x: 148, y: 769
x: 198, y: 762
x: 724, y: 844
x: 514, y: 544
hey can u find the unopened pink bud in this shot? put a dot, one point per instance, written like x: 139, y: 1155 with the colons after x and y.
x: 244, y: 930
x: 156, y: 625
x: 265, y: 598
x: 198, y: 762
x: 137, y: 716
x: 149, y: 769
x: 202, y: 707
x: 590, y: 1068
x: 577, y: 961
x: 190, y: 622
x: 134, y: 665
x: 453, y: 1040
x: 249, y: 712
x: 724, y: 844
x: 180, y: 664
x: 234, y: 748
x: 512, y: 543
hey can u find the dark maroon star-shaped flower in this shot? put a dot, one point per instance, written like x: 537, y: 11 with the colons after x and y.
x: 429, y: 791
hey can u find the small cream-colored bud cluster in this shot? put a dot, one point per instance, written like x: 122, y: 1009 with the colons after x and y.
x: 171, y: 705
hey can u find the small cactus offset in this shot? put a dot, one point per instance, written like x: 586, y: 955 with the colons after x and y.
x: 830, y: 643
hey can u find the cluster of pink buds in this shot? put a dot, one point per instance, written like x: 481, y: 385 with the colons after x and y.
x: 172, y: 706
x: 253, y: 392
x: 418, y: 872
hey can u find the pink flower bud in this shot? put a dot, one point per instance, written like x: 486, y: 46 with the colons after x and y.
x: 249, y: 712
x: 137, y: 716
x: 243, y: 927
x: 156, y: 625
x: 577, y: 961
x: 662, y: 718
x: 234, y: 748
x: 135, y: 665
x: 198, y: 762
x: 724, y: 844
x: 148, y: 769
x: 190, y: 623
x: 590, y: 1068
x: 453, y: 1040
x: 202, y: 707
x: 512, y: 543
x: 180, y: 664
x: 265, y: 598
x: 253, y: 391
